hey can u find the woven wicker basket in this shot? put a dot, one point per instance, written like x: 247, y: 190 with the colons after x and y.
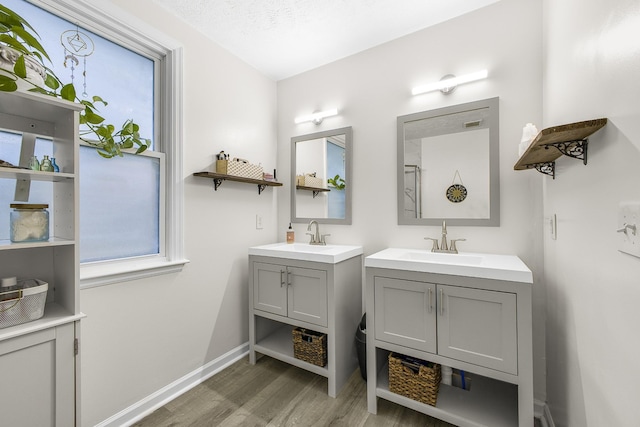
x: 310, y: 346
x: 414, y: 378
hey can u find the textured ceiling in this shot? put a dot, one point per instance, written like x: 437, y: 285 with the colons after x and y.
x: 282, y: 38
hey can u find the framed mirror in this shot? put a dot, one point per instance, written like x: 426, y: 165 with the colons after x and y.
x: 321, y: 177
x: 448, y: 166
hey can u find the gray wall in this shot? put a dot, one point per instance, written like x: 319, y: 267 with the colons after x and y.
x: 372, y: 88
x: 591, y: 63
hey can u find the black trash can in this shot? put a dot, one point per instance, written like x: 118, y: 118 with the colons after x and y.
x: 361, y: 346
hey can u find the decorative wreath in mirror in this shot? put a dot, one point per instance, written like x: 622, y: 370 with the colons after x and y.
x: 456, y: 193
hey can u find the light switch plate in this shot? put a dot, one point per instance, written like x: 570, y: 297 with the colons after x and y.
x: 628, y: 228
x: 258, y: 222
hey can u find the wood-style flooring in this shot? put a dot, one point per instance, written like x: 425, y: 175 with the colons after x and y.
x: 273, y: 393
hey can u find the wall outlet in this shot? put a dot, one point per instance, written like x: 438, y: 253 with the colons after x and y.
x: 258, y: 222
x: 629, y: 228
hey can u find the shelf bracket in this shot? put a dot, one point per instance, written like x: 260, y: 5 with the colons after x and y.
x: 576, y: 149
x: 315, y: 193
x: 217, y: 182
x: 547, y: 168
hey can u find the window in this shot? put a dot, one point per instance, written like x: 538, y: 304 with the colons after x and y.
x: 131, y: 207
x: 120, y: 206
x: 336, y: 166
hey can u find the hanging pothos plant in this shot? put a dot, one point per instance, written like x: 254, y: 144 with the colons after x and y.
x: 18, y: 34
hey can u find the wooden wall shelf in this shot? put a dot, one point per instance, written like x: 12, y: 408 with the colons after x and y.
x: 569, y: 140
x: 219, y: 177
x: 315, y: 190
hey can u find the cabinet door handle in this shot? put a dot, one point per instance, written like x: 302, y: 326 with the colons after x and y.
x: 281, y: 278
x: 288, y: 277
x: 441, y: 302
x: 430, y: 300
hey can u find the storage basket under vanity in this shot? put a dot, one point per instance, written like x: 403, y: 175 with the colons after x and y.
x: 310, y: 346
x: 414, y: 378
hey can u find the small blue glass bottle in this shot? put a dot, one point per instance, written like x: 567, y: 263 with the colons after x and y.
x: 56, y: 168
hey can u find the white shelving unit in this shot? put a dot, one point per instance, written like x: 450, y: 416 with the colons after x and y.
x: 47, y: 348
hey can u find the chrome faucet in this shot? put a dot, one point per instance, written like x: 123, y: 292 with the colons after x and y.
x: 443, y: 247
x: 443, y: 244
x: 317, y: 238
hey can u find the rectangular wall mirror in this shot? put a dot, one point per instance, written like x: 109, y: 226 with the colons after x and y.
x: 448, y: 166
x: 321, y: 177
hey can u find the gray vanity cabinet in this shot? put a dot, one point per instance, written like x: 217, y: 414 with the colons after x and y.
x: 478, y: 325
x: 472, y: 325
x: 324, y: 297
x: 298, y: 293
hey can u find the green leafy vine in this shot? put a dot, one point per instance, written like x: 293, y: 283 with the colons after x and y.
x: 336, y: 182
x: 16, y: 33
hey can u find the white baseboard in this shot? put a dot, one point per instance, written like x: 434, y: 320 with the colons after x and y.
x: 541, y: 411
x: 146, y: 406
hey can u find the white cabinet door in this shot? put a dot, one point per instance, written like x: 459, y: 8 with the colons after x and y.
x: 37, y: 379
x: 270, y: 288
x: 308, y: 295
x: 405, y: 313
x: 478, y: 326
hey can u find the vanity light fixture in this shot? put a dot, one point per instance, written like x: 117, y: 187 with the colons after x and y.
x: 317, y: 116
x: 449, y: 83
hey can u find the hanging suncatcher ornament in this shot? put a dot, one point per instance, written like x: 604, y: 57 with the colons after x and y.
x: 77, y: 44
x: 456, y: 192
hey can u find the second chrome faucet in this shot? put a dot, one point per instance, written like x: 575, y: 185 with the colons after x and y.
x: 317, y: 238
x: 444, y: 247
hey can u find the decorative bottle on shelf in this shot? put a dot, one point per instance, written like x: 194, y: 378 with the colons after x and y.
x: 46, y: 165
x: 56, y: 168
x: 34, y: 164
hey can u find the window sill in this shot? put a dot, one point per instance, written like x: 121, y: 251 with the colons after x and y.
x: 99, y: 274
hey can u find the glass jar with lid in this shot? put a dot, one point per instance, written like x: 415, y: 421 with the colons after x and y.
x: 29, y: 222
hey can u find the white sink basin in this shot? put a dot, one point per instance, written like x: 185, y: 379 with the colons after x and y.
x: 488, y: 266
x: 331, y: 254
x: 434, y: 257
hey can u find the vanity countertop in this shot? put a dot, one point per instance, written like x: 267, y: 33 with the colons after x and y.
x: 488, y: 266
x: 331, y: 254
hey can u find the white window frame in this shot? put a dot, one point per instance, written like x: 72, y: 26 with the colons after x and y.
x: 123, y: 29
